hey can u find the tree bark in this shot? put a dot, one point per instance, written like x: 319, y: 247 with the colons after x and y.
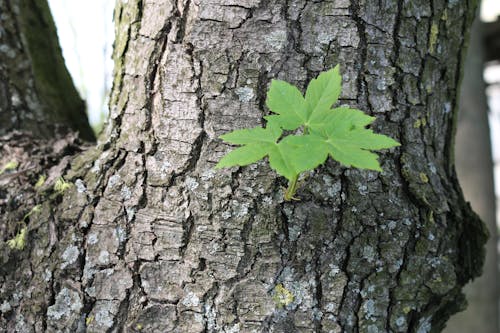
x: 36, y: 91
x: 150, y: 238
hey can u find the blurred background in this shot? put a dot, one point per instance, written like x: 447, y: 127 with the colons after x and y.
x: 86, y: 34
x: 87, y: 50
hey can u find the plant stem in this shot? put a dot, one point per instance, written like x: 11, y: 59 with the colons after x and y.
x: 292, y: 188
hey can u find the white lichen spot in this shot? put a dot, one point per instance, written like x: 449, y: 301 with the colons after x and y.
x: 67, y: 302
x: 317, y: 314
x: 104, y: 317
x: 16, y: 297
x: 424, y: 325
x: 333, y: 189
x: 233, y: 329
x: 88, y: 272
x: 334, y: 270
x: 240, y: 209
x: 245, y: 94
x: 191, y: 183
x: 113, y: 180
x: 447, y: 107
x: 15, y: 99
x: 70, y: 255
x: 226, y: 214
x: 330, y: 307
x: 325, y: 38
x: 267, y: 200
x: 5, y: 307
x: 397, y: 265
x: 125, y: 192
x: 190, y: 300
x: 372, y: 329
x: 207, y: 175
x: 392, y: 225
x: 276, y: 39
x: 431, y: 237
x: 103, y: 257
x: 201, y: 228
x: 92, y: 239
x: 400, y: 321
x: 21, y: 325
x: 121, y: 234
x: 80, y: 186
x: 432, y: 168
x: 165, y: 168
x: 294, y: 232
x: 369, y: 309
x: 130, y: 213
x: 362, y: 189
x: 47, y: 276
x: 210, y: 315
x: 96, y: 168
x: 369, y: 253
x: 7, y: 51
x: 91, y: 291
x: 381, y: 84
x: 198, y: 317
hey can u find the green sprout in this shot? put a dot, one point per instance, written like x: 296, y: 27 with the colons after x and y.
x: 340, y: 132
x: 39, y: 183
x: 12, y: 165
x: 61, y: 185
x: 19, y: 241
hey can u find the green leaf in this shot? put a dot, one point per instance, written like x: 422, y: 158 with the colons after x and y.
x: 340, y: 132
x: 252, y: 135
x: 279, y: 161
x: 341, y: 118
x: 257, y: 143
x: 347, y: 140
x: 243, y: 156
x: 288, y: 103
x: 305, y: 152
x: 323, y: 91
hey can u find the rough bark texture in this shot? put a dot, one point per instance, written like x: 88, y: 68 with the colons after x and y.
x: 36, y: 90
x: 152, y: 239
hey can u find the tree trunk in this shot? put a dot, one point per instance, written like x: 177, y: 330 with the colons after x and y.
x: 150, y: 238
x: 475, y: 173
x: 36, y: 90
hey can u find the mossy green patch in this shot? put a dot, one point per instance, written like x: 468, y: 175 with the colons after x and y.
x: 12, y: 165
x: 423, y: 177
x: 61, y: 185
x: 433, y: 37
x: 282, y: 296
x: 19, y: 241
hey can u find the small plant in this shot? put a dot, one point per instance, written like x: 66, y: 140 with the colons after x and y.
x: 61, y: 185
x: 19, y: 241
x: 40, y: 182
x: 340, y: 133
x: 12, y: 165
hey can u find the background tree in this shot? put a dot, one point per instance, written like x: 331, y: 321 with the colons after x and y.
x: 475, y: 173
x: 148, y: 237
x: 36, y: 90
